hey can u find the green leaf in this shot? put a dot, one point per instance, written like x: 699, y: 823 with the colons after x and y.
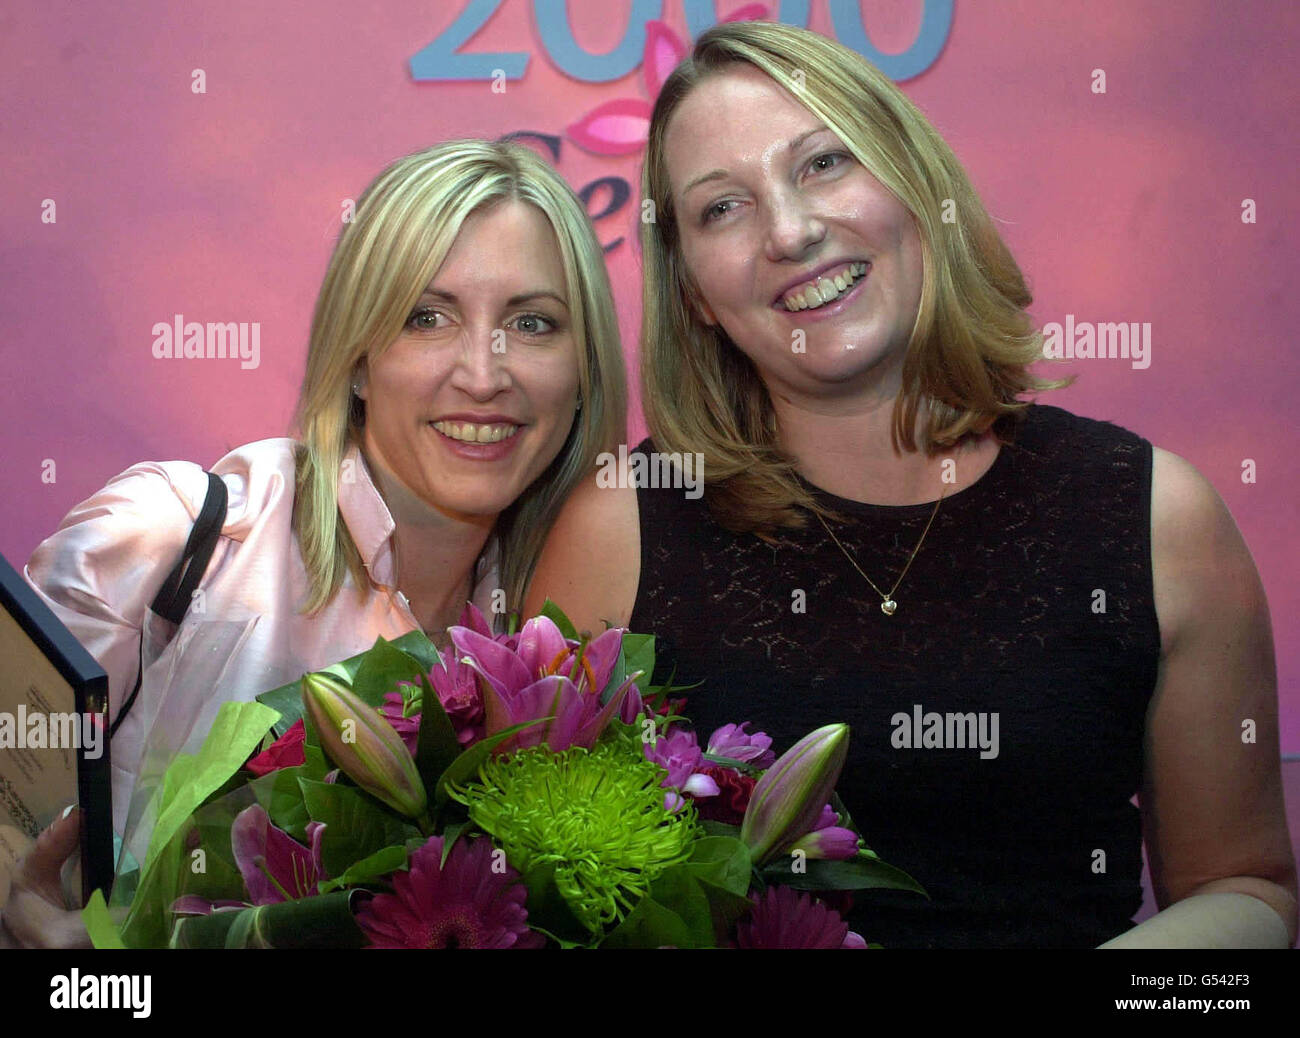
x: 314, y: 922
x: 414, y: 843
x: 380, y: 671
x: 628, y: 734
x: 437, y: 746
x: 650, y: 925
x: 287, y: 699
x: 356, y: 825
x: 99, y: 924
x: 549, y: 913
x: 657, y: 695
x: 719, y: 828
x: 675, y: 913
x: 846, y: 820
x: 450, y: 834
x: 726, y: 907
x: 464, y: 767
x: 722, y: 861
x: 149, y: 917
x: 279, y: 793
x: 235, y: 734
x: 639, y: 654
x: 376, y: 866
x: 617, y: 675
x: 556, y: 614
x: 417, y: 644
x: 675, y: 888
x: 860, y: 873
x: 220, y: 878
x: 315, y: 763
x: 684, y: 911
x: 635, y: 653
x: 186, y: 784
x: 244, y: 931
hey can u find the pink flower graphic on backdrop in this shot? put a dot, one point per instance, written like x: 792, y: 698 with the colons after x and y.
x: 620, y: 126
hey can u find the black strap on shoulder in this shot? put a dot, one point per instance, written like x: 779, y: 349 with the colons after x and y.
x: 173, y: 598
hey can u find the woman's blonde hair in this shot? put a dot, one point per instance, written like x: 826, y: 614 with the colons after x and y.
x: 404, y: 225
x: 972, y: 341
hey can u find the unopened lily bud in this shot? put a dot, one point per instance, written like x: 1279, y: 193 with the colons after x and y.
x: 368, y: 749
x: 833, y: 842
x: 788, y: 800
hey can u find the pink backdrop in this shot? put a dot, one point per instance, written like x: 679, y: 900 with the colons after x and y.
x: 223, y: 205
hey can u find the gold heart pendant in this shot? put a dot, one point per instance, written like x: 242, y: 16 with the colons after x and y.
x: 888, y: 606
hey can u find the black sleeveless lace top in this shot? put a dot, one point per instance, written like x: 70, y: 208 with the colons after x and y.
x: 1030, y: 604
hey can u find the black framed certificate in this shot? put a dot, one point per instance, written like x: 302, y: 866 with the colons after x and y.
x: 53, y: 728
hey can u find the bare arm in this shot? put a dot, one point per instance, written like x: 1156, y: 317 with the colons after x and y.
x: 591, y: 563
x: 1211, y: 801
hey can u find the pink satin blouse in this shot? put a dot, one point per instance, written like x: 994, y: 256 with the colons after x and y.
x: 243, y: 633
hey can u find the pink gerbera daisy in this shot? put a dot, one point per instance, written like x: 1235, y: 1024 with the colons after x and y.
x: 470, y: 901
x: 785, y: 918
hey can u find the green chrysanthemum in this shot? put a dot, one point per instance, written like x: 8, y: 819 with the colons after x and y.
x: 596, y: 815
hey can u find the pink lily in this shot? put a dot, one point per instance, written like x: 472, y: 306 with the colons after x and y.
x: 732, y: 741
x: 275, y: 866
x: 472, y: 617
x: 547, y: 675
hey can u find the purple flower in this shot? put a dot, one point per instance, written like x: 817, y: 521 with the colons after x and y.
x: 407, y: 727
x: 546, y: 675
x: 472, y: 617
x: 733, y: 742
x: 827, y: 839
x: 680, y: 755
x: 831, y: 842
x: 786, y: 918
x: 826, y: 819
x: 456, y: 686
x: 274, y: 865
x: 469, y: 901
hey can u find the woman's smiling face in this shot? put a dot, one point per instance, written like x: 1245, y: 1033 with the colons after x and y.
x: 777, y: 217
x: 476, y: 396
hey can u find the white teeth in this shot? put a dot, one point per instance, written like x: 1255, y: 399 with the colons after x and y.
x: 471, y: 433
x: 824, y: 290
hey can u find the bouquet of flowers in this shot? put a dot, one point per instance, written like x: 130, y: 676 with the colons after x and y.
x: 527, y: 789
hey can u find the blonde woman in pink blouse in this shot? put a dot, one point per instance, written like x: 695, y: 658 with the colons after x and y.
x: 464, y: 371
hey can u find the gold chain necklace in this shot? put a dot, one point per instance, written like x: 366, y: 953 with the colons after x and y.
x: 887, y: 603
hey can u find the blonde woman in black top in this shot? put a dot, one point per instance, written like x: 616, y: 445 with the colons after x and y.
x: 888, y: 530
